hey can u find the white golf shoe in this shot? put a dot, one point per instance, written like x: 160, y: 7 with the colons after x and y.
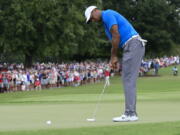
x: 133, y: 118
x: 125, y: 118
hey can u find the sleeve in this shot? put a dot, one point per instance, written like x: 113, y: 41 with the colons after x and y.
x: 110, y: 20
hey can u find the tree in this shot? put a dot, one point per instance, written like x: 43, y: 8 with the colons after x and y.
x: 29, y: 26
x: 55, y: 30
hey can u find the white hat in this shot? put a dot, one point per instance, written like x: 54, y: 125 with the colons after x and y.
x: 88, y: 12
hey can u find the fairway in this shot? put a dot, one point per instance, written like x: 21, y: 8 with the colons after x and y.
x: 158, y: 108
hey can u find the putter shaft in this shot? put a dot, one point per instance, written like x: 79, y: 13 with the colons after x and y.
x: 98, y: 101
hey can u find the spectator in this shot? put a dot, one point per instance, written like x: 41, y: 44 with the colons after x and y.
x: 175, y: 71
x: 1, y: 82
x: 5, y: 83
x: 107, y: 75
x: 37, y: 84
x: 156, y: 68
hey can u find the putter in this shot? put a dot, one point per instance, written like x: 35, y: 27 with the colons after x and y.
x: 93, y: 119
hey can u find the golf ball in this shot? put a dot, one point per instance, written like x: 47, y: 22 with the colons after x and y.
x: 48, y: 122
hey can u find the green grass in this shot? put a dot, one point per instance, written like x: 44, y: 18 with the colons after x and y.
x: 168, y: 128
x: 26, y: 113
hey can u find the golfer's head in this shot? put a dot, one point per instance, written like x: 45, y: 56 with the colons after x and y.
x: 92, y: 14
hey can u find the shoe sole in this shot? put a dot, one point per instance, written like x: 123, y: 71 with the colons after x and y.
x: 125, y: 120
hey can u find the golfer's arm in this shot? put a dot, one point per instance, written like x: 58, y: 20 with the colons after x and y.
x: 115, y: 40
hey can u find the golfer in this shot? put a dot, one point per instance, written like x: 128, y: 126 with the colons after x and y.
x: 122, y: 35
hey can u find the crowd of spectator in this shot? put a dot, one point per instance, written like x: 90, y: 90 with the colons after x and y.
x: 153, y: 65
x: 14, y: 77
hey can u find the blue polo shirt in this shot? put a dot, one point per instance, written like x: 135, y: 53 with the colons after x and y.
x: 126, y: 30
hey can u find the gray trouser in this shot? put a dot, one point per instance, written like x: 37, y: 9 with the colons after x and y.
x: 133, y: 53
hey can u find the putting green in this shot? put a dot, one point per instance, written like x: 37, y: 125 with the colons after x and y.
x: 163, y: 107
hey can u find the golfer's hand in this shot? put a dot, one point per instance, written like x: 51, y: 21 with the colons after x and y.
x: 114, y: 62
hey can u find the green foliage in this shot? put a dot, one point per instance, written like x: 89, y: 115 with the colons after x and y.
x: 55, y: 29
x: 155, y: 22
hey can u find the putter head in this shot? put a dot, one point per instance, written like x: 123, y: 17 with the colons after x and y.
x: 91, y: 119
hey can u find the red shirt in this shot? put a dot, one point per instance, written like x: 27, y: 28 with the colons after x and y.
x: 107, y: 73
x: 67, y: 75
x: 9, y: 77
x: 37, y: 83
x: 0, y: 78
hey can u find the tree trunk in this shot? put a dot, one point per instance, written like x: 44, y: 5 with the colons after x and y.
x: 28, y: 61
